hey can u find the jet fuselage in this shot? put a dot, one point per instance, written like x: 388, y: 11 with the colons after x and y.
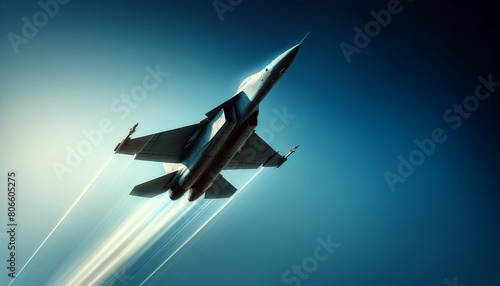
x: 227, y: 130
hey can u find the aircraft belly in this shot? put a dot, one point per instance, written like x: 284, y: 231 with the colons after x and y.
x: 227, y: 152
x: 209, y: 145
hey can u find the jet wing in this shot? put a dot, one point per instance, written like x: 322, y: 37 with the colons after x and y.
x: 167, y: 147
x: 253, y: 154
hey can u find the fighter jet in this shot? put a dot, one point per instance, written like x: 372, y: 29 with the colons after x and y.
x: 224, y: 140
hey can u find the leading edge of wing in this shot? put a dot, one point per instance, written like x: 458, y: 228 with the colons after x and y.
x: 253, y: 154
x: 167, y: 147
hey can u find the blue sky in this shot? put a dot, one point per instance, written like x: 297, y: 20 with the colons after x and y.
x: 353, y: 121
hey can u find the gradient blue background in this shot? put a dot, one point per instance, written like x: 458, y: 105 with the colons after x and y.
x: 352, y: 121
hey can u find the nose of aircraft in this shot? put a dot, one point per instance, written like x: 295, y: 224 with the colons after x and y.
x: 283, y: 61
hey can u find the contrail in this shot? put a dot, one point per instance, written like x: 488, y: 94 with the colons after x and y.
x: 145, y: 225
x: 64, y: 216
x: 114, y: 242
x: 203, y: 225
x: 137, y: 240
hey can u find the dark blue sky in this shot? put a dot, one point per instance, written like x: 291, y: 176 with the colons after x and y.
x: 354, y: 120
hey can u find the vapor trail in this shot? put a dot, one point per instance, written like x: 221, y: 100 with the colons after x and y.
x: 141, y: 228
x: 203, y: 225
x: 64, y: 216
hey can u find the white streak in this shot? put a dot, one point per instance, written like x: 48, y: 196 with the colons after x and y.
x: 202, y: 226
x: 64, y: 216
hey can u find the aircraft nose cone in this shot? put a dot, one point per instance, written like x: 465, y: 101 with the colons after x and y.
x: 291, y: 53
x: 284, y: 60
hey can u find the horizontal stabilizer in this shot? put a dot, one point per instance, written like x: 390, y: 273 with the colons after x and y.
x: 220, y: 189
x: 154, y: 187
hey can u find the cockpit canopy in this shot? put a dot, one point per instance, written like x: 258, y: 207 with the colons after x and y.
x: 257, y: 77
x: 244, y: 82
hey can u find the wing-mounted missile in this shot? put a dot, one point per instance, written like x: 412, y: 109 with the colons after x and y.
x: 284, y: 158
x: 125, y: 141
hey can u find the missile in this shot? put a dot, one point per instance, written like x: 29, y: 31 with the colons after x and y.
x: 284, y: 158
x: 132, y: 130
x: 125, y: 141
